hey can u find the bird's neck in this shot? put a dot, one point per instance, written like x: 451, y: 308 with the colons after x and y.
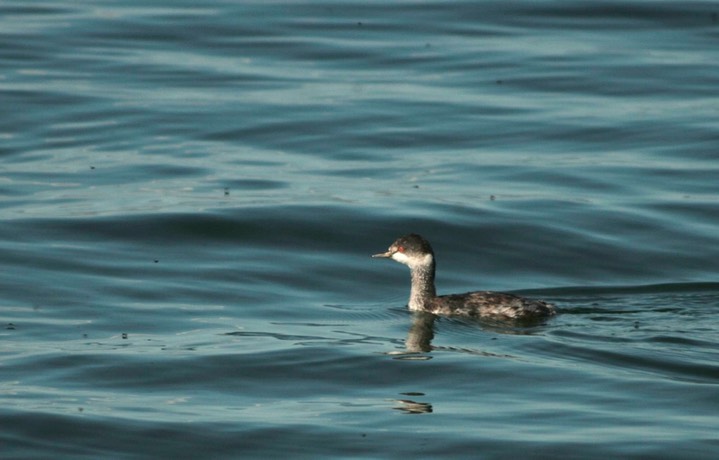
x: 423, y: 290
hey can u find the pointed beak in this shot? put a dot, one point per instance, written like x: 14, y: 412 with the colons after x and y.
x: 384, y: 255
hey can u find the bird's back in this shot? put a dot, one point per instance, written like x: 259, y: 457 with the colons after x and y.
x: 490, y: 304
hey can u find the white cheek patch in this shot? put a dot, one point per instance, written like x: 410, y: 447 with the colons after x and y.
x: 401, y: 258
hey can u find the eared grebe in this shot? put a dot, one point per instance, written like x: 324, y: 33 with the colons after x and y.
x: 415, y: 252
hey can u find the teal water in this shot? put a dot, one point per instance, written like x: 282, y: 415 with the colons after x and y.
x: 190, y: 194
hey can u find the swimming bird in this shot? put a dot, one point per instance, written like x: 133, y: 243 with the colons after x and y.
x: 416, y: 252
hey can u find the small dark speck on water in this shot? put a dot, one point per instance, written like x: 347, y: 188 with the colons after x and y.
x: 359, y: 23
x: 92, y: 167
x: 227, y: 191
x: 124, y: 335
x: 80, y: 409
x: 499, y: 82
x: 156, y: 260
x: 10, y: 326
x: 492, y: 197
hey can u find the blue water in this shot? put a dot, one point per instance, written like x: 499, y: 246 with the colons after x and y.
x: 190, y: 192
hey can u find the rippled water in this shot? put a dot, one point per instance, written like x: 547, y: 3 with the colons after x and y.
x: 190, y: 193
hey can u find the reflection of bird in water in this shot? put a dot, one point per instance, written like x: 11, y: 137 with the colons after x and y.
x: 415, y: 252
x: 421, y: 333
x: 413, y: 407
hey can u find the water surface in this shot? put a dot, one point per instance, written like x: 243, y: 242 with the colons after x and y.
x: 190, y: 194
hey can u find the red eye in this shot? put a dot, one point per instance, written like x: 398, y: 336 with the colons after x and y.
x: 400, y: 249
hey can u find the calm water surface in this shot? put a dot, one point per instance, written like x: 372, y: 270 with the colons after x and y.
x: 190, y: 193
